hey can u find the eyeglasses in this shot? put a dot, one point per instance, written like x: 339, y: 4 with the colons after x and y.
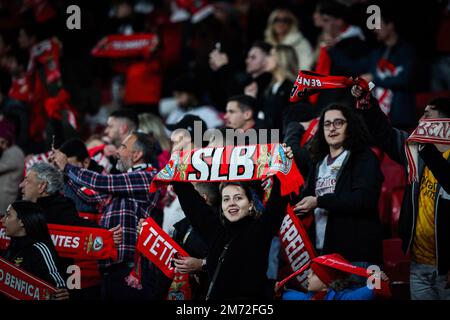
x: 282, y: 20
x: 337, y: 123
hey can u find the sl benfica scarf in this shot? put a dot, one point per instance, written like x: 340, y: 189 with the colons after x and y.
x: 231, y: 163
x: 309, y: 83
x: 18, y: 284
x: 180, y: 289
x: 158, y: 247
x: 435, y: 131
x: 77, y: 242
x: 386, y: 69
x: 126, y: 46
x: 296, y: 246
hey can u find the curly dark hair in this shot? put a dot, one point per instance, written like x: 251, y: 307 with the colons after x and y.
x: 357, y: 133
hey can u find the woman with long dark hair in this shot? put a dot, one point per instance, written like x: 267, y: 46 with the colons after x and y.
x: 343, y: 191
x: 31, y: 247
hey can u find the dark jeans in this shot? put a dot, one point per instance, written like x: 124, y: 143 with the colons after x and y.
x: 114, y: 286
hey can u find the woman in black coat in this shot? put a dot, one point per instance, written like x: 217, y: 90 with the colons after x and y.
x: 236, y: 235
x: 344, y: 189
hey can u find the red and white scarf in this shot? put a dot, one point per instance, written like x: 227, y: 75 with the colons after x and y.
x: 126, y: 46
x: 76, y: 242
x: 296, y: 246
x: 231, y: 163
x: 385, y: 69
x: 309, y: 83
x: 18, y: 284
x: 435, y: 131
x: 158, y: 247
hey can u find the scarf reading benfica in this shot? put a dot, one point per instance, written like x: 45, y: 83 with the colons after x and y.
x: 21, y: 285
x: 126, y: 46
x: 435, y: 131
x: 76, y: 242
x: 231, y: 163
x: 309, y: 83
x: 296, y: 246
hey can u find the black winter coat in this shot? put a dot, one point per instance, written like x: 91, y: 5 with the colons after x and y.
x: 353, y: 227
x: 243, y: 272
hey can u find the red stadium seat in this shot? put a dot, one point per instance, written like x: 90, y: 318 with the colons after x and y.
x: 394, y: 179
x: 396, y: 202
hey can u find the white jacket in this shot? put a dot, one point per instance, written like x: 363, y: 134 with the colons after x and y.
x: 305, y: 54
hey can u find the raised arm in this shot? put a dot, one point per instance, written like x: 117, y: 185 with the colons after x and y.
x: 203, y: 217
x: 275, y: 208
x: 133, y: 184
x: 388, y: 138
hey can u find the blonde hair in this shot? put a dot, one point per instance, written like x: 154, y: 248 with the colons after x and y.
x: 149, y: 123
x: 269, y: 32
x: 287, y: 61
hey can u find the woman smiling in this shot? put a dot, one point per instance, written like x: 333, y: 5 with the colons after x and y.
x: 238, y: 236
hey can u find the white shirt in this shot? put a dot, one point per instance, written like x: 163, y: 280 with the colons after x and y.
x: 325, y: 183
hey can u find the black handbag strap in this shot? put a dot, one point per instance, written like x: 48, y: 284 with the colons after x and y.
x: 218, y: 267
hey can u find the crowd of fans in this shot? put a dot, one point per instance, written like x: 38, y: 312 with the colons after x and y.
x: 82, y: 137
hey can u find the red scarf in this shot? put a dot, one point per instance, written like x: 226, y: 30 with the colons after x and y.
x: 18, y: 284
x: 77, y: 242
x: 231, y: 163
x: 180, y: 289
x: 309, y: 83
x: 126, y: 46
x: 333, y: 264
x: 296, y: 246
x: 158, y: 247
x: 435, y: 131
